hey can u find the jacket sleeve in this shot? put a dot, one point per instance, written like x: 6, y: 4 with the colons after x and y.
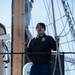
x: 52, y: 43
x: 29, y: 50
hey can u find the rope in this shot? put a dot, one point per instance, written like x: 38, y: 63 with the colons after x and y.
x: 57, y: 54
x: 68, y: 20
x: 63, y: 28
x: 47, y: 12
x: 57, y: 20
x: 67, y: 42
x: 66, y: 33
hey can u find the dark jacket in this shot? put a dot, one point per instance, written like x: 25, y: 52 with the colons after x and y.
x: 40, y: 47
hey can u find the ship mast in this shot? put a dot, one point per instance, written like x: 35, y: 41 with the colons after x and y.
x: 21, y: 12
x: 17, y: 36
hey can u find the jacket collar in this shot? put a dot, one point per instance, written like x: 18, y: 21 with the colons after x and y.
x: 41, y: 36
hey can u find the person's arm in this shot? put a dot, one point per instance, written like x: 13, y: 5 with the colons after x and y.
x: 53, y: 42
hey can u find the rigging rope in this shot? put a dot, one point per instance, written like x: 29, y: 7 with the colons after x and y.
x: 68, y: 68
x: 66, y: 33
x: 67, y: 42
x: 69, y: 17
x: 62, y: 23
x: 57, y: 20
x: 52, y: 22
x: 47, y: 13
x: 70, y: 12
x: 73, y: 20
x: 63, y: 28
x: 48, y: 6
x: 57, y: 54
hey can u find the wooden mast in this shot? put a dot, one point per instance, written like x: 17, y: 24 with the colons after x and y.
x: 21, y: 11
x: 18, y: 36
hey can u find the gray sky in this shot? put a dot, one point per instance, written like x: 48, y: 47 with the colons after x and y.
x: 42, y: 12
x: 5, y: 14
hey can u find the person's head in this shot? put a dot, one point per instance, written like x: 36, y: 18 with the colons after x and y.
x: 40, y: 28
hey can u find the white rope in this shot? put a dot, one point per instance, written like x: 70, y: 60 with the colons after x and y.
x: 57, y: 54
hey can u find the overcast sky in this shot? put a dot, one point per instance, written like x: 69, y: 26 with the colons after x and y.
x: 40, y: 13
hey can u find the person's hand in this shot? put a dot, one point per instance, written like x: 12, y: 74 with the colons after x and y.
x: 57, y: 38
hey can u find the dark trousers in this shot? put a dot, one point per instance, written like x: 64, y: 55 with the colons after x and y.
x: 44, y: 69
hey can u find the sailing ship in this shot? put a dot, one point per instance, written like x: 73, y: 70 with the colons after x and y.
x: 59, y: 17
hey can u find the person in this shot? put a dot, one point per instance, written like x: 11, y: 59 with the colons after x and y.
x: 39, y: 51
